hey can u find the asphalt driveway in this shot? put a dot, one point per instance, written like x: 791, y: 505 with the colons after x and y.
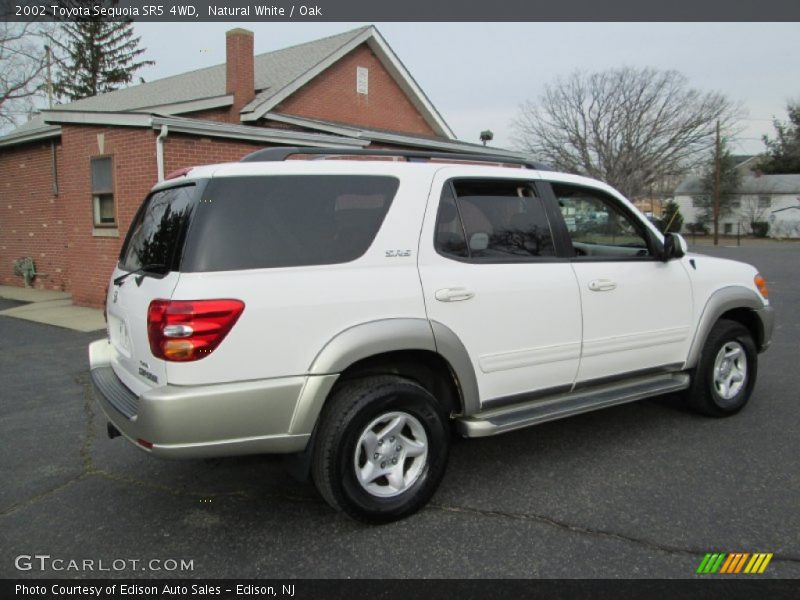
x: 641, y: 490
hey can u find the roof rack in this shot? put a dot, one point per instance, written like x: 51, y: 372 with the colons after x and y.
x: 281, y: 154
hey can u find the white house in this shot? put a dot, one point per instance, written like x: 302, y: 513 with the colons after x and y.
x: 771, y: 198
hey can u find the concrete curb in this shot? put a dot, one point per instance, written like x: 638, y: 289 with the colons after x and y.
x: 51, y: 308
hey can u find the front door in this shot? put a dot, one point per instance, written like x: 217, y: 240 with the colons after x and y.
x: 637, y: 309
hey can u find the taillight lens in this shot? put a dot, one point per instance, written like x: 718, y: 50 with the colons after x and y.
x: 761, y: 284
x: 186, y: 330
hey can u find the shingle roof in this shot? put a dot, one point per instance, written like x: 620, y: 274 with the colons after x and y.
x: 764, y: 184
x: 34, y: 129
x: 277, y: 75
x: 273, y: 71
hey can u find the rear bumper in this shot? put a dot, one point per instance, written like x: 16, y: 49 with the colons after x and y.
x: 272, y: 416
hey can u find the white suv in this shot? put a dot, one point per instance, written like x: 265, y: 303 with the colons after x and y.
x: 348, y: 311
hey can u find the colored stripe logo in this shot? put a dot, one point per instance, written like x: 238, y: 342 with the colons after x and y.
x: 734, y: 563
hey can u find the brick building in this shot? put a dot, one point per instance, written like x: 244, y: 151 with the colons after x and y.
x: 72, y: 178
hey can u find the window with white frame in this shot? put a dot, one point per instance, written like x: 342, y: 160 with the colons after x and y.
x: 764, y: 202
x: 735, y: 202
x: 105, y: 214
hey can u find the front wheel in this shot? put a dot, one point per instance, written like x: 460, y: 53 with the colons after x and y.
x: 381, y: 449
x: 726, y: 372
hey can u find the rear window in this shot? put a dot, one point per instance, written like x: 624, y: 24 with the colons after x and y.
x: 285, y: 221
x: 156, y: 236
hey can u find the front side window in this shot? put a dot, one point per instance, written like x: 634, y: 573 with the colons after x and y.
x: 494, y: 220
x: 598, y: 227
x: 104, y: 210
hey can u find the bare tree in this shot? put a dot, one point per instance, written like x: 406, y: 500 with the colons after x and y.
x: 753, y: 213
x: 22, y: 65
x: 629, y: 127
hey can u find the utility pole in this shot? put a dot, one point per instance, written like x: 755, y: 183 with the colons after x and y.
x: 49, y: 77
x: 717, y: 175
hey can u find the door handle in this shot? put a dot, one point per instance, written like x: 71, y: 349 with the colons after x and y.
x: 453, y: 294
x: 602, y: 285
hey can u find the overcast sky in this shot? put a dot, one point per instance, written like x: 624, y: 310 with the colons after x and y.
x: 478, y: 74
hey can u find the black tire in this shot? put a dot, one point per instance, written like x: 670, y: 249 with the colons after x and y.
x: 704, y: 396
x: 354, y: 406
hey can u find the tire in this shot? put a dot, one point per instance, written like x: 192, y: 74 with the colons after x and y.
x: 392, y: 419
x: 729, y: 355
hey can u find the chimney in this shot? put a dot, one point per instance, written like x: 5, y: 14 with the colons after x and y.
x: 239, y: 73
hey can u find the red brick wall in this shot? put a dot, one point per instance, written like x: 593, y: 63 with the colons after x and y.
x: 213, y: 114
x: 239, y: 73
x: 31, y: 217
x: 187, y: 151
x: 332, y: 96
x: 91, y: 258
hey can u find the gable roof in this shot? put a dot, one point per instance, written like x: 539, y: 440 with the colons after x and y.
x: 273, y: 71
x: 267, y: 99
x: 277, y: 75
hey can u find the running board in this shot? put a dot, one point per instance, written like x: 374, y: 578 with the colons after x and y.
x: 559, y: 406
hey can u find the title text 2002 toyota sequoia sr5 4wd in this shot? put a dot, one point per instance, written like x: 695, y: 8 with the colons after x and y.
x: 349, y: 310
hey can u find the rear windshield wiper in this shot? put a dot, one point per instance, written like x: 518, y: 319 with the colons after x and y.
x: 119, y: 280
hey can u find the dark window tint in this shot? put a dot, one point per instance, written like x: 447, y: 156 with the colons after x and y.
x: 597, y: 224
x: 286, y: 221
x: 494, y: 219
x: 156, y: 235
x: 449, y: 231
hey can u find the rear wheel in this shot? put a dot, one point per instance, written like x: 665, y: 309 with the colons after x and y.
x: 381, y: 448
x: 726, y: 372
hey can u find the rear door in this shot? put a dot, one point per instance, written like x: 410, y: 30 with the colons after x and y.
x: 491, y: 273
x: 147, y: 269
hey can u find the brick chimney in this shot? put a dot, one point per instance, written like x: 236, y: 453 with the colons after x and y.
x: 239, y: 73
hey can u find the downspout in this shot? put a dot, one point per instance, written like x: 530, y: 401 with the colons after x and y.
x: 160, y: 152
x: 54, y: 167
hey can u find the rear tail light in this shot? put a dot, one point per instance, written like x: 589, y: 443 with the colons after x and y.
x: 186, y: 330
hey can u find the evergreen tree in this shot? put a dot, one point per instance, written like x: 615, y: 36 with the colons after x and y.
x: 96, y: 57
x: 729, y: 182
x: 672, y: 217
x: 783, y: 153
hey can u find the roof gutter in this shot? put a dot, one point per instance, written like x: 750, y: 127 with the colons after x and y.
x: 373, y: 135
x: 41, y: 133
x: 255, y: 134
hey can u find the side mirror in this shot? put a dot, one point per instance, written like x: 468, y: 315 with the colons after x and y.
x: 674, y: 246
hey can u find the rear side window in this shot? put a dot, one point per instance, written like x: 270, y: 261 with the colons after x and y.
x: 156, y: 236
x: 286, y: 221
x: 494, y: 220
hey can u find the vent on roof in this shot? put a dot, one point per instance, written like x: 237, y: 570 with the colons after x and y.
x: 362, y: 80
